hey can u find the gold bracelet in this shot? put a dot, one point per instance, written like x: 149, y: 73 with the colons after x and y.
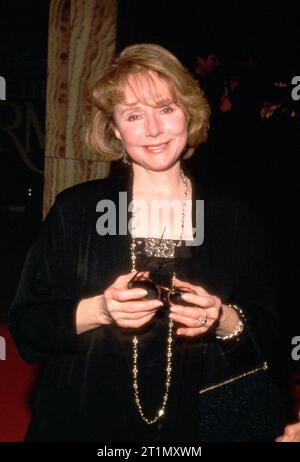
x: 240, y: 327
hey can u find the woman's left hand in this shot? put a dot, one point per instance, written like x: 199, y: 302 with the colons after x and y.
x: 200, y: 318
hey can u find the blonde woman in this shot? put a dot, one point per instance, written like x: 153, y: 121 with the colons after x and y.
x: 135, y: 325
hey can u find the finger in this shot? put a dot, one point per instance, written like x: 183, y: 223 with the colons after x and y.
x: 132, y: 316
x: 136, y: 306
x: 181, y: 283
x: 293, y: 430
x: 205, y: 301
x: 289, y: 431
x: 135, y: 323
x: 190, y: 322
x: 137, y: 275
x: 196, y: 313
x: 285, y: 439
x: 144, y: 273
x: 190, y: 331
x: 122, y: 280
x: 127, y: 294
x: 190, y: 312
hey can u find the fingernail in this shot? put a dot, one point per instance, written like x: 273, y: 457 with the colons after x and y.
x: 143, y: 292
x: 186, y: 296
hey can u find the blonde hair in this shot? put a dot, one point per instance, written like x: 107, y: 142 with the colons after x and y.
x: 138, y: 66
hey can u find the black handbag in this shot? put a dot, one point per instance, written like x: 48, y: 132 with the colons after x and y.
x: 246, y: 406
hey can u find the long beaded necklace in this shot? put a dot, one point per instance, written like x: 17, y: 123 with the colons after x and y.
x: 135, y: 342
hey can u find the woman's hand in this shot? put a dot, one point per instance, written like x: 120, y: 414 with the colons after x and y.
x: 125, y: 307
x: 197, y: 319
x: 117, y: 305
x: 209, y: 313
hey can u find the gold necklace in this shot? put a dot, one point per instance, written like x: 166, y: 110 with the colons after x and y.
x: 162, y: 409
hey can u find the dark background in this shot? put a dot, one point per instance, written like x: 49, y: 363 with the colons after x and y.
x: 268, y: 30
x: 254, y: 161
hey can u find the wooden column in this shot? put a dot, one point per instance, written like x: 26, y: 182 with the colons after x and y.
x: 82, y: 36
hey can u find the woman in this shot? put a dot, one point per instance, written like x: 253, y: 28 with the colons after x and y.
x: 118, y: 363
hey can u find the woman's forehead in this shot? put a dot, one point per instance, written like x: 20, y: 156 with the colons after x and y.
x: 146, y: 88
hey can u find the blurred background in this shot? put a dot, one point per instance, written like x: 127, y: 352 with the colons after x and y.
x: 243, y: 55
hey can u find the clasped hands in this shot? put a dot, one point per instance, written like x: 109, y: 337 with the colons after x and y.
x: 127, y: 308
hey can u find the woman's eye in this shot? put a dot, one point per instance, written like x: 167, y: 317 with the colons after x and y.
x: 167, y: 110
x: 133, y: 117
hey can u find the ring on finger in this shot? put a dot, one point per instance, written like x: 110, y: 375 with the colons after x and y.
x: 203, y: 319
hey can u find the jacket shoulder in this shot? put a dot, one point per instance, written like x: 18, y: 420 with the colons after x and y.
x: 87, y: 192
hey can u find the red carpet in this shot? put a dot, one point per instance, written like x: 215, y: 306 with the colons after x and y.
x: 16, y: 382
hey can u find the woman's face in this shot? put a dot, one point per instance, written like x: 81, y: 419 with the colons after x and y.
x: 154, y: 137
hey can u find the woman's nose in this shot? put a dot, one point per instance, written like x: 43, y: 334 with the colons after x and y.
x: 153, y: 126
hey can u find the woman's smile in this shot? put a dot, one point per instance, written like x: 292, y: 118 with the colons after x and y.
x: 157, y: 148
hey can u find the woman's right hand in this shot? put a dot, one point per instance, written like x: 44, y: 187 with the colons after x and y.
x: 125, y: 307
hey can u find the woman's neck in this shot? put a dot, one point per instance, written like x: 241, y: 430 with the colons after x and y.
x: 165, y: 184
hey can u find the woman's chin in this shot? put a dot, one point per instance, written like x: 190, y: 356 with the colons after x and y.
x: 158, y: 164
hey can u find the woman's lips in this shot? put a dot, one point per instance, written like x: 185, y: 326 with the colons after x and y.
x: 156, y: 148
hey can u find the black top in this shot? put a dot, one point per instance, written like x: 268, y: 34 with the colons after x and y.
x: 85, y: 389
x: 152, y: 361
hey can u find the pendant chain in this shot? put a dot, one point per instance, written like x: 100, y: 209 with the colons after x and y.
x: 161, y: 411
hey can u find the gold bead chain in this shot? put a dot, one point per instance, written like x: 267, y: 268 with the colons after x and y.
x: 162, y: 409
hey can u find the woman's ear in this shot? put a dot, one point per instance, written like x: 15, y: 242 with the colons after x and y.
x: 117, y: 133
x: 115, y: 130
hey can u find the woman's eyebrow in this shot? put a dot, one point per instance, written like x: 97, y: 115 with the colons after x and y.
x: 159, y: 104
x: 131, y: 108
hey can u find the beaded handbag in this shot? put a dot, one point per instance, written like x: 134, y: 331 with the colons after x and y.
x: 244, y: 407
